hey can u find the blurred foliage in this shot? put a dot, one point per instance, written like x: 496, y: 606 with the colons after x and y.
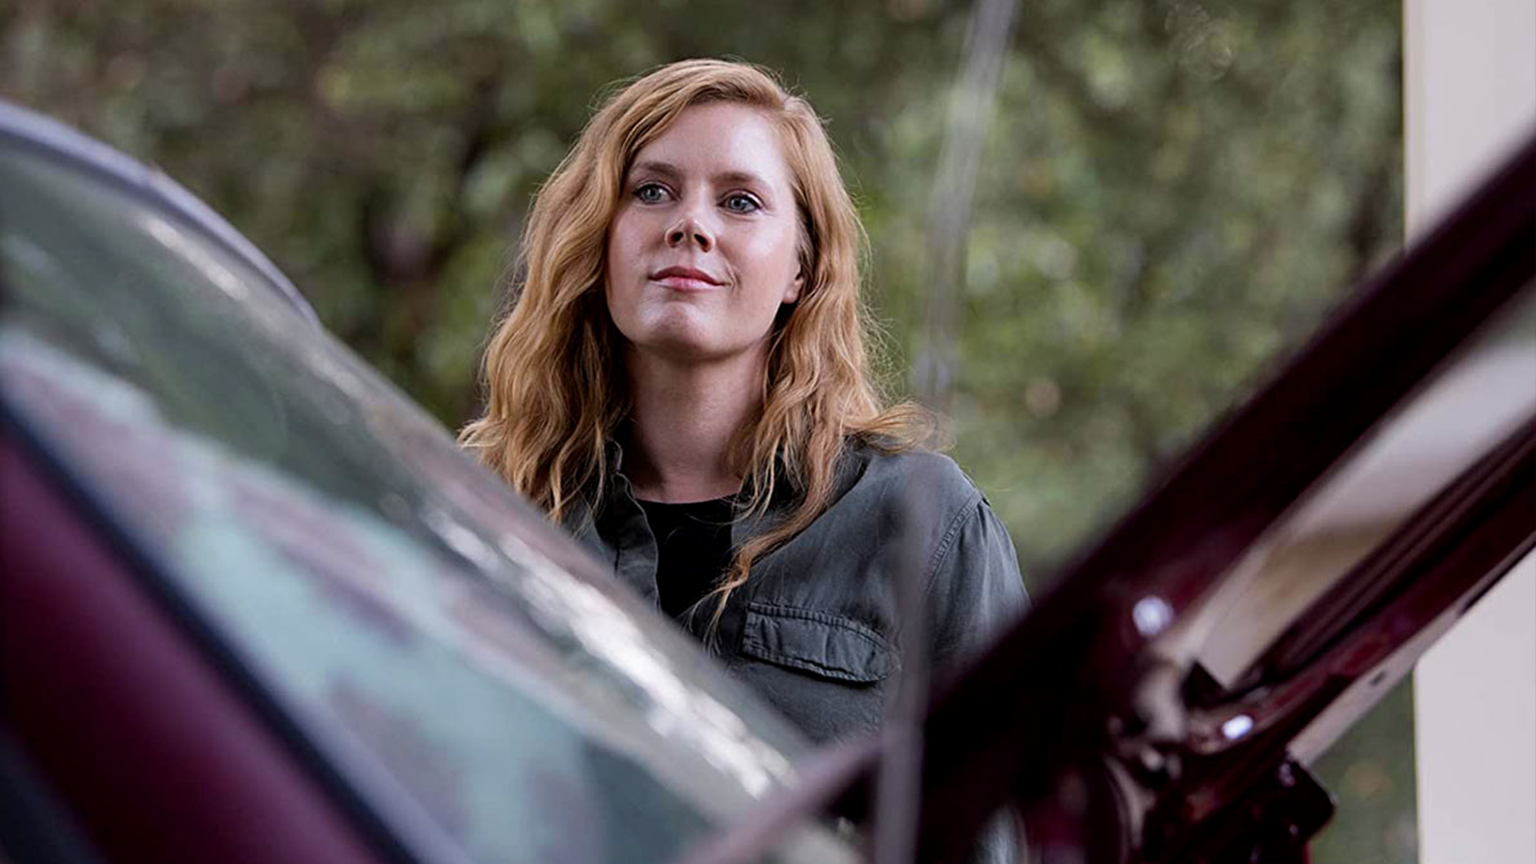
x: 1370, y: 771
x: 1171, y: 194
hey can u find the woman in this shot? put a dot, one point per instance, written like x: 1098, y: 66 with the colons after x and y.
x: 682, y: 382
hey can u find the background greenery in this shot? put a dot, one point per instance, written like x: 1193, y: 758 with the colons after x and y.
x: 1169, y: 196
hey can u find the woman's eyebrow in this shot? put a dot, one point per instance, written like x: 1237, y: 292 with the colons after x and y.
x: 741, y: 178
x: 665, y: 169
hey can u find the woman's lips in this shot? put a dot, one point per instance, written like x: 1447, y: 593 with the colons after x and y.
x: 685, y: 279
x: 685, y: 283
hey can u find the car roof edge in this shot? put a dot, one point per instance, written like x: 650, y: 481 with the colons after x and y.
x: 59, y: 141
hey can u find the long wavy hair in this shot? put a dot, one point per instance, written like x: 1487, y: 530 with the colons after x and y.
x: 554, y: 384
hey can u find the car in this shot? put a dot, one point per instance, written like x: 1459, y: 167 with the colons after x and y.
x: 258, y: 606
x: 1163, y: 699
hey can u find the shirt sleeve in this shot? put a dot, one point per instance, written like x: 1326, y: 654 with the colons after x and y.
x: 975, y: 592
x: 975, y: 589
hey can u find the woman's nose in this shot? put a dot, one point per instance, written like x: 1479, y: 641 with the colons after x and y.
x: 690, y: 230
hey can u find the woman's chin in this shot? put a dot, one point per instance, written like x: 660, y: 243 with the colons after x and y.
x: 688, y: 347
x: 682, y: 350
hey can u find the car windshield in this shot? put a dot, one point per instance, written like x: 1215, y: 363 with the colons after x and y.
x: 482, y: 684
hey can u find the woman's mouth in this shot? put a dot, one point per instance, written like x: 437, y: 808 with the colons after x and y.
x: 685, y: 279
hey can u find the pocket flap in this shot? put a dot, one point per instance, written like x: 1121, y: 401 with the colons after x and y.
x: 828, y: 645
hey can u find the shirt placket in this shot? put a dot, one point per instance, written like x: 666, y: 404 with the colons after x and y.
x: 636, y: 552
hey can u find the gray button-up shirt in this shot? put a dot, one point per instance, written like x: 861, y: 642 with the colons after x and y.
x: 814, y: 627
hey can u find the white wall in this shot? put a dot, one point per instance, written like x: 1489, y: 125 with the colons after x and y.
x: 1469, y: 92
x: 1469, y: 83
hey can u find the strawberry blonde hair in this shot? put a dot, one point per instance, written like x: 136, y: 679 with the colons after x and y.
x: 554, y: 384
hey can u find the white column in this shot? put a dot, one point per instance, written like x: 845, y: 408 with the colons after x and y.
x: 1469, y: 93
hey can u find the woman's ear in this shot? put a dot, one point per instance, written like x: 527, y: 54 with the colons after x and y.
x: 792, y: 293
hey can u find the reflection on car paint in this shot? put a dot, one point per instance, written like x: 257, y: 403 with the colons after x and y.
x: 434, y: 636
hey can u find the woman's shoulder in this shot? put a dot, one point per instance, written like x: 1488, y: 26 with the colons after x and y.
x: 913, y: 472
x: 971, y: 571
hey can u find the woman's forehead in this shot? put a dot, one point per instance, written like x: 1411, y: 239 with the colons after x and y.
x: 718, y: 141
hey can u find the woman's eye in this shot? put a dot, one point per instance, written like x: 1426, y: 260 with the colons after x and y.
x: 742, y: 203
x: 650, y: 193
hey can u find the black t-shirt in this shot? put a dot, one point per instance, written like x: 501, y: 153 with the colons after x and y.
x: 693, y: 547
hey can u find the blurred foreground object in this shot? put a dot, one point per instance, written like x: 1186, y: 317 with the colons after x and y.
x: 1163, y: 701
x: 257, y: 606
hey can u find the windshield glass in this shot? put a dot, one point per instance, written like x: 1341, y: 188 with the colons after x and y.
x: 476, y: 677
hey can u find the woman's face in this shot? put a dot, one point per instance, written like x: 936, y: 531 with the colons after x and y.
x: 703, y: 249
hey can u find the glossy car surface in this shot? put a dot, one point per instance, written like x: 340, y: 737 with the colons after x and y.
x: 259, y: 607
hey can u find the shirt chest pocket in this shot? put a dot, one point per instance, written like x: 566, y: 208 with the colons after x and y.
x: 818, y: 643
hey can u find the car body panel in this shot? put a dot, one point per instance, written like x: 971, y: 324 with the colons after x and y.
x: 481, y: 687
x: 81, y: 647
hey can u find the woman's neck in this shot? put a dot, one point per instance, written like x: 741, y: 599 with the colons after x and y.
x: 685, y: 415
